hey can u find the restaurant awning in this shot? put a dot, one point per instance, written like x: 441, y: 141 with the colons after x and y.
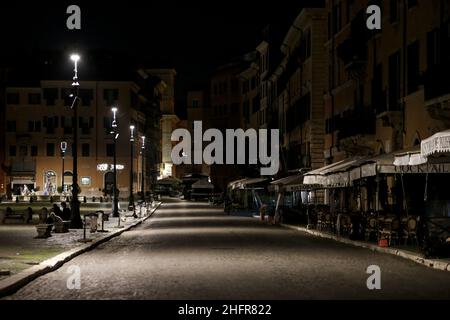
x: 436, y: 144
x: 339, y: 175
x: 317, y: 176
x: 409, y: 157
x: 369, y: 167
x: 246, y: 183
x: 285, y: 183
x: 168, y: 181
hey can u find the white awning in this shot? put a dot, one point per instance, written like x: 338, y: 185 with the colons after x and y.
x: 317, y: 176
x: 294, y: 179
x: 246, y: 183
x: 437, y: 143
x: 409, y: 157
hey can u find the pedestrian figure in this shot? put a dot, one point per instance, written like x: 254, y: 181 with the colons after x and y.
x: 29, y: 214
x: 56, y: 210
x: 270, y: 210
x: 66, y: 212
x: 43, y: 215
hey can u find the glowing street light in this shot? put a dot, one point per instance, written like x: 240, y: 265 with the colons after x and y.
x: 75, y: 219
x: 131, y: 205
x: 143, y: 164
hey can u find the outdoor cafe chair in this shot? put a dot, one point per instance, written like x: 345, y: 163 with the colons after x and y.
x: 390, y: 230
x: 371, y: 228
x: 410, y: 232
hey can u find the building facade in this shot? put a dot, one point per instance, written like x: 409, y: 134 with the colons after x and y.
x: 39, y: 118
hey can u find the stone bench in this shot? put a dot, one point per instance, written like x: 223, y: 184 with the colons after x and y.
x: 23, y: 216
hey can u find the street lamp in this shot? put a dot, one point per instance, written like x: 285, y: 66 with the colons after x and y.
x: 63, y: 153
x: 143, y: 165
x: 131, y: 205
x: 75, y: 221
x: 115, y: 133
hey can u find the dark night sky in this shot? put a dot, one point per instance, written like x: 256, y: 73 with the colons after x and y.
x: 191, y: 36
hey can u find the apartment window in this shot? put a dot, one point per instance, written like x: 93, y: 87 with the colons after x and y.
x: 85, y: 181
x: 34, y: 151
x: 85, y: 150
x: 50, y: 149
x: 86, y: 96
x: 378, y: 100
x: 50, y: 123
x: 255, y: 104
x: 110, y: 96
x: 107, y: 124
x: 68, y: 100
x: 12, y: 98
x: 412, y: 3
x: 34, y: 126
x: 194, y: 103
x: 413, y: 67
x: 50, y: 96
x: 348, y: 6
x: 393, y: 11
x: 34, y: 98
x: 433, y: 48
x: 336, y: 19
x: 234, y: 86
x: 253, y: 83
x: 394, y: 81
x: 307, y: 44
x: 110, y: 150
x: 11, y: 126
x: 23, y: 151
x: 85, y: 124
x: 12, y: 151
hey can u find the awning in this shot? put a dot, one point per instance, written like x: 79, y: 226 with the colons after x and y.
x: 409, y: 157
x: 294, y: 179
x: 371, y: 166
x: 286, y: 183
x: 246, y: 183
x: 339, y: 175
x: 168, y: 181
x: 317, y: 176
x: 437, y: 143
x: 202, y: 184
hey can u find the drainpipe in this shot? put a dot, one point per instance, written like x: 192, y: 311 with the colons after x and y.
x: 405, y: 34
x: 332, y: 78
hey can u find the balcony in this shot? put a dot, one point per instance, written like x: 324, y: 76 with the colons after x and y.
x: 437, y: 92
x: 23, y: 168
x: 355, y: 123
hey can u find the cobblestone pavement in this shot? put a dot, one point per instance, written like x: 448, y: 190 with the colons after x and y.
x: 20, y: 249
x: 192, y: 251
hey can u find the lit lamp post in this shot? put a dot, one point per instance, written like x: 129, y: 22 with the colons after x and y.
x: 63, y: 153
x: 131, y: 200
x: 115, y: 134
x: 143, y: 165
x: 75, y: 221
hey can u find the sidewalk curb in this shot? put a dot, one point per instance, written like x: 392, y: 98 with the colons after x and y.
x: 431, y: 263
x: 13, y: 283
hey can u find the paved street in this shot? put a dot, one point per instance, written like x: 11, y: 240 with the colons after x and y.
x: 191, y: 251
